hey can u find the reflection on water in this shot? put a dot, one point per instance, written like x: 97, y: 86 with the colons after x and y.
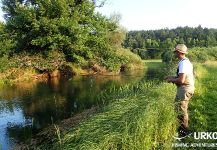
x: 27, y: 108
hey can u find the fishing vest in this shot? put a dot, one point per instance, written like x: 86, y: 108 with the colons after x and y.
x: 189, y: 80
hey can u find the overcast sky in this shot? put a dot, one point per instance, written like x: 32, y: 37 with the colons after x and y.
x: 158, y: 14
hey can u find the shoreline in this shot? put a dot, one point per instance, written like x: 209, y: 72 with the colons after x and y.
x: 49, y: 135
x: 26, y: 75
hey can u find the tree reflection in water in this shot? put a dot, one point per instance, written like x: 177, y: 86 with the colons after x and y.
x: 27, y: 108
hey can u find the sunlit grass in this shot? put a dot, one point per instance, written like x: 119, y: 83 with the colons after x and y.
x: 211, y: 63
x: 142, y: 116
x: 152, y: 60
x: 202, y: 107
x: 139, y: 117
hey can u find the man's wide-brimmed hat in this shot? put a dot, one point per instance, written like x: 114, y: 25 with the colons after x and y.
x: 181, y: 48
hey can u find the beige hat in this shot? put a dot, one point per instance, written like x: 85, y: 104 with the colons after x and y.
x: 181, y: 48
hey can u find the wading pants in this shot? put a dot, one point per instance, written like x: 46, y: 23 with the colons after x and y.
x: 183, y: 96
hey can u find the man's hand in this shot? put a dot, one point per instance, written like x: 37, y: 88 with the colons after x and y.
x: 169, y: 78
x: 180, y: 80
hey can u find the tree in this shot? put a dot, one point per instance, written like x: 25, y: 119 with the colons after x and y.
x: 168, y: 44
x: 72, y: 27
x: 6, y: 42
x: 190, y: 36
x: 211, y: 40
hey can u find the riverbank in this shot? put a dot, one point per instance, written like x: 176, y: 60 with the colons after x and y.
x: 24, y: 68
x: 31, y: 107
x: 46, y: 136
x: 142, y: 117
x: 133, y: 119
x: 139, y: 117
x: 202, y: 109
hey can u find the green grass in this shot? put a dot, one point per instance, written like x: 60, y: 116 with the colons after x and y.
x: 202, y: 107
x: 152, y: 60
x: 142, y: 116
x: 139, y: 118
x: 204, y: 103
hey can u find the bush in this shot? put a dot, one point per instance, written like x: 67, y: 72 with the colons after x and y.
x: 198, y: 55
x: 212, y: 53
x: 167, y: 56
x: 132, y: 61
x: 4, y: 63
x: 148, y: 53
x: 42, y: 63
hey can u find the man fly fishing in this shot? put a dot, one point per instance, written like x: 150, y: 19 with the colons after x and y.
x: 185, y: 87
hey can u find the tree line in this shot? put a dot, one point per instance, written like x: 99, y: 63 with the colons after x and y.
x: 62, y: 34
x: 52, y: 34
x: 152, y: 43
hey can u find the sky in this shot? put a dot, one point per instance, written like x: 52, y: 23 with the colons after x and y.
x: 160, y: 14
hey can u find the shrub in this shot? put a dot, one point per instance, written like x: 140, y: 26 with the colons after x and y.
x: 131, y: 60
x: 167, y: 56
x: 49, y: 62
x: 198, y: 55
x: 4, y: 63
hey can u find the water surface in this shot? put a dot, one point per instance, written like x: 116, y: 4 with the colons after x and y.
x: 27, y: 108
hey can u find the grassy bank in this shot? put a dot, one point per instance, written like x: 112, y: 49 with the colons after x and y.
x: 202, y: 107
x: 142, y: 116
x: 137, y: 117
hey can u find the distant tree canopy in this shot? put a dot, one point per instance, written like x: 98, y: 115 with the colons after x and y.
x: 71, y: 27
x: 152, y: 43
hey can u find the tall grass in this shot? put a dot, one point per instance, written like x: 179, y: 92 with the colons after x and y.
x: 139, y: 117
x: 142, y: 116
x: 202, y: 107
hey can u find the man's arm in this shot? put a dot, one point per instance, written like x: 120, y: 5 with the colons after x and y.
x: 179, y: 80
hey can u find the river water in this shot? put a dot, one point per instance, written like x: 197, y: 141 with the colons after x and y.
x: 27, y: 108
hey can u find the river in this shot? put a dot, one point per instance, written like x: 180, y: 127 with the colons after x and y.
x: 27, y: 108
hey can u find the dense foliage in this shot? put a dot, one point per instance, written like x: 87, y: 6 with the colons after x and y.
x: 39, y: 28
x: 203, y: 54
x: 152, y: 43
